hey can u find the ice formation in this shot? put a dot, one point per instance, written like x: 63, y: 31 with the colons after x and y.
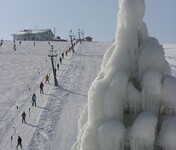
x: 145, y: 121
x: 133, y: 94
x: 168, y: 134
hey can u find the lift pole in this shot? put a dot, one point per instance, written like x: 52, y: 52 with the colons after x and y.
x: 52, y: 55
x: 71, y: 39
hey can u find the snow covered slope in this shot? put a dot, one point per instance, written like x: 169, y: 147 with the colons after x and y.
x: 53, y: 123
x: 75, y: 76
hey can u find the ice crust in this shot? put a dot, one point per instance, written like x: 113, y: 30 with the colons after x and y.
x: 132, y: 90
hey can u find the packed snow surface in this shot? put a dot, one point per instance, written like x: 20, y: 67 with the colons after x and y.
x: 53, y: 123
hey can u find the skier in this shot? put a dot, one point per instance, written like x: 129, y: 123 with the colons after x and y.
x: 1, y: 42
x: 14, y: 47
x: 58, y: 66
x: 62, y: 55
x: 60, y: 59
x: 19, y: 142
x: 33, y: 99
x: 23, y: 117
x: 47, y: 78
x: 41, y: 87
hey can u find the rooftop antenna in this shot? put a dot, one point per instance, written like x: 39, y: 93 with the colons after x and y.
x: 54, y: 31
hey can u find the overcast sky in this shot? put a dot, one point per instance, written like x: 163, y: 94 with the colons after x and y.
x: 97, y: 18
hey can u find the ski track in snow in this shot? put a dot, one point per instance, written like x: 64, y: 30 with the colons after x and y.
x: 44, y: 135
x: 53, y: 124
x: 12, y: 117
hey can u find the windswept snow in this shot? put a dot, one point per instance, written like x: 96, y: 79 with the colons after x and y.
x: 53, y: 123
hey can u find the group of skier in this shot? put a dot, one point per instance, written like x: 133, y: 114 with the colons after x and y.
x: 23, y: 115
x: 62, y: 57
x: 41, y: 86
x: 14, y: 44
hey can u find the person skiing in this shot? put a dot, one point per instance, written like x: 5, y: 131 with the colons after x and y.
x: 33, y: 99
x: 47, y: 78
x: 41, y: 87
x: 14, y: 47
x: 1, y: 42
x: 60, y: 59
x: 58, y: 66
x: 62, y: 55
x: 19, y: 142
x: 23, y: 117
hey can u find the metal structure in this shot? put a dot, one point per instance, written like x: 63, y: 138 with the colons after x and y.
x: 79, y: 34
x: 53, y: 54
x: 71, y: 39
x: 83, y: 34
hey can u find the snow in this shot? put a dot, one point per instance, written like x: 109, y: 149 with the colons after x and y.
x: 53, y: 124
x: 23, y: 69
x: 31, y: 31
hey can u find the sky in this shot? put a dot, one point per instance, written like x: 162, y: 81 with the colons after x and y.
x: 96, y: 18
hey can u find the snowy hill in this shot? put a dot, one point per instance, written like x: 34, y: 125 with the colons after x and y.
x: 53, y: 123
x: 25, y: 68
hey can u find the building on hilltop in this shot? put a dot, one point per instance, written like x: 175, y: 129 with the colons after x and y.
x: 88, y: 38
x: 33, y: 35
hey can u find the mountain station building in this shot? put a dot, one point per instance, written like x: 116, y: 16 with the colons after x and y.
x: 33, y: 35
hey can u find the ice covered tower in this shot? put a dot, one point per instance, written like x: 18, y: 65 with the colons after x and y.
x: 130, y: 93
x: 126, y: 51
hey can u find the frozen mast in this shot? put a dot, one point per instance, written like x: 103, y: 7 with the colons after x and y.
x: 130, y: 94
